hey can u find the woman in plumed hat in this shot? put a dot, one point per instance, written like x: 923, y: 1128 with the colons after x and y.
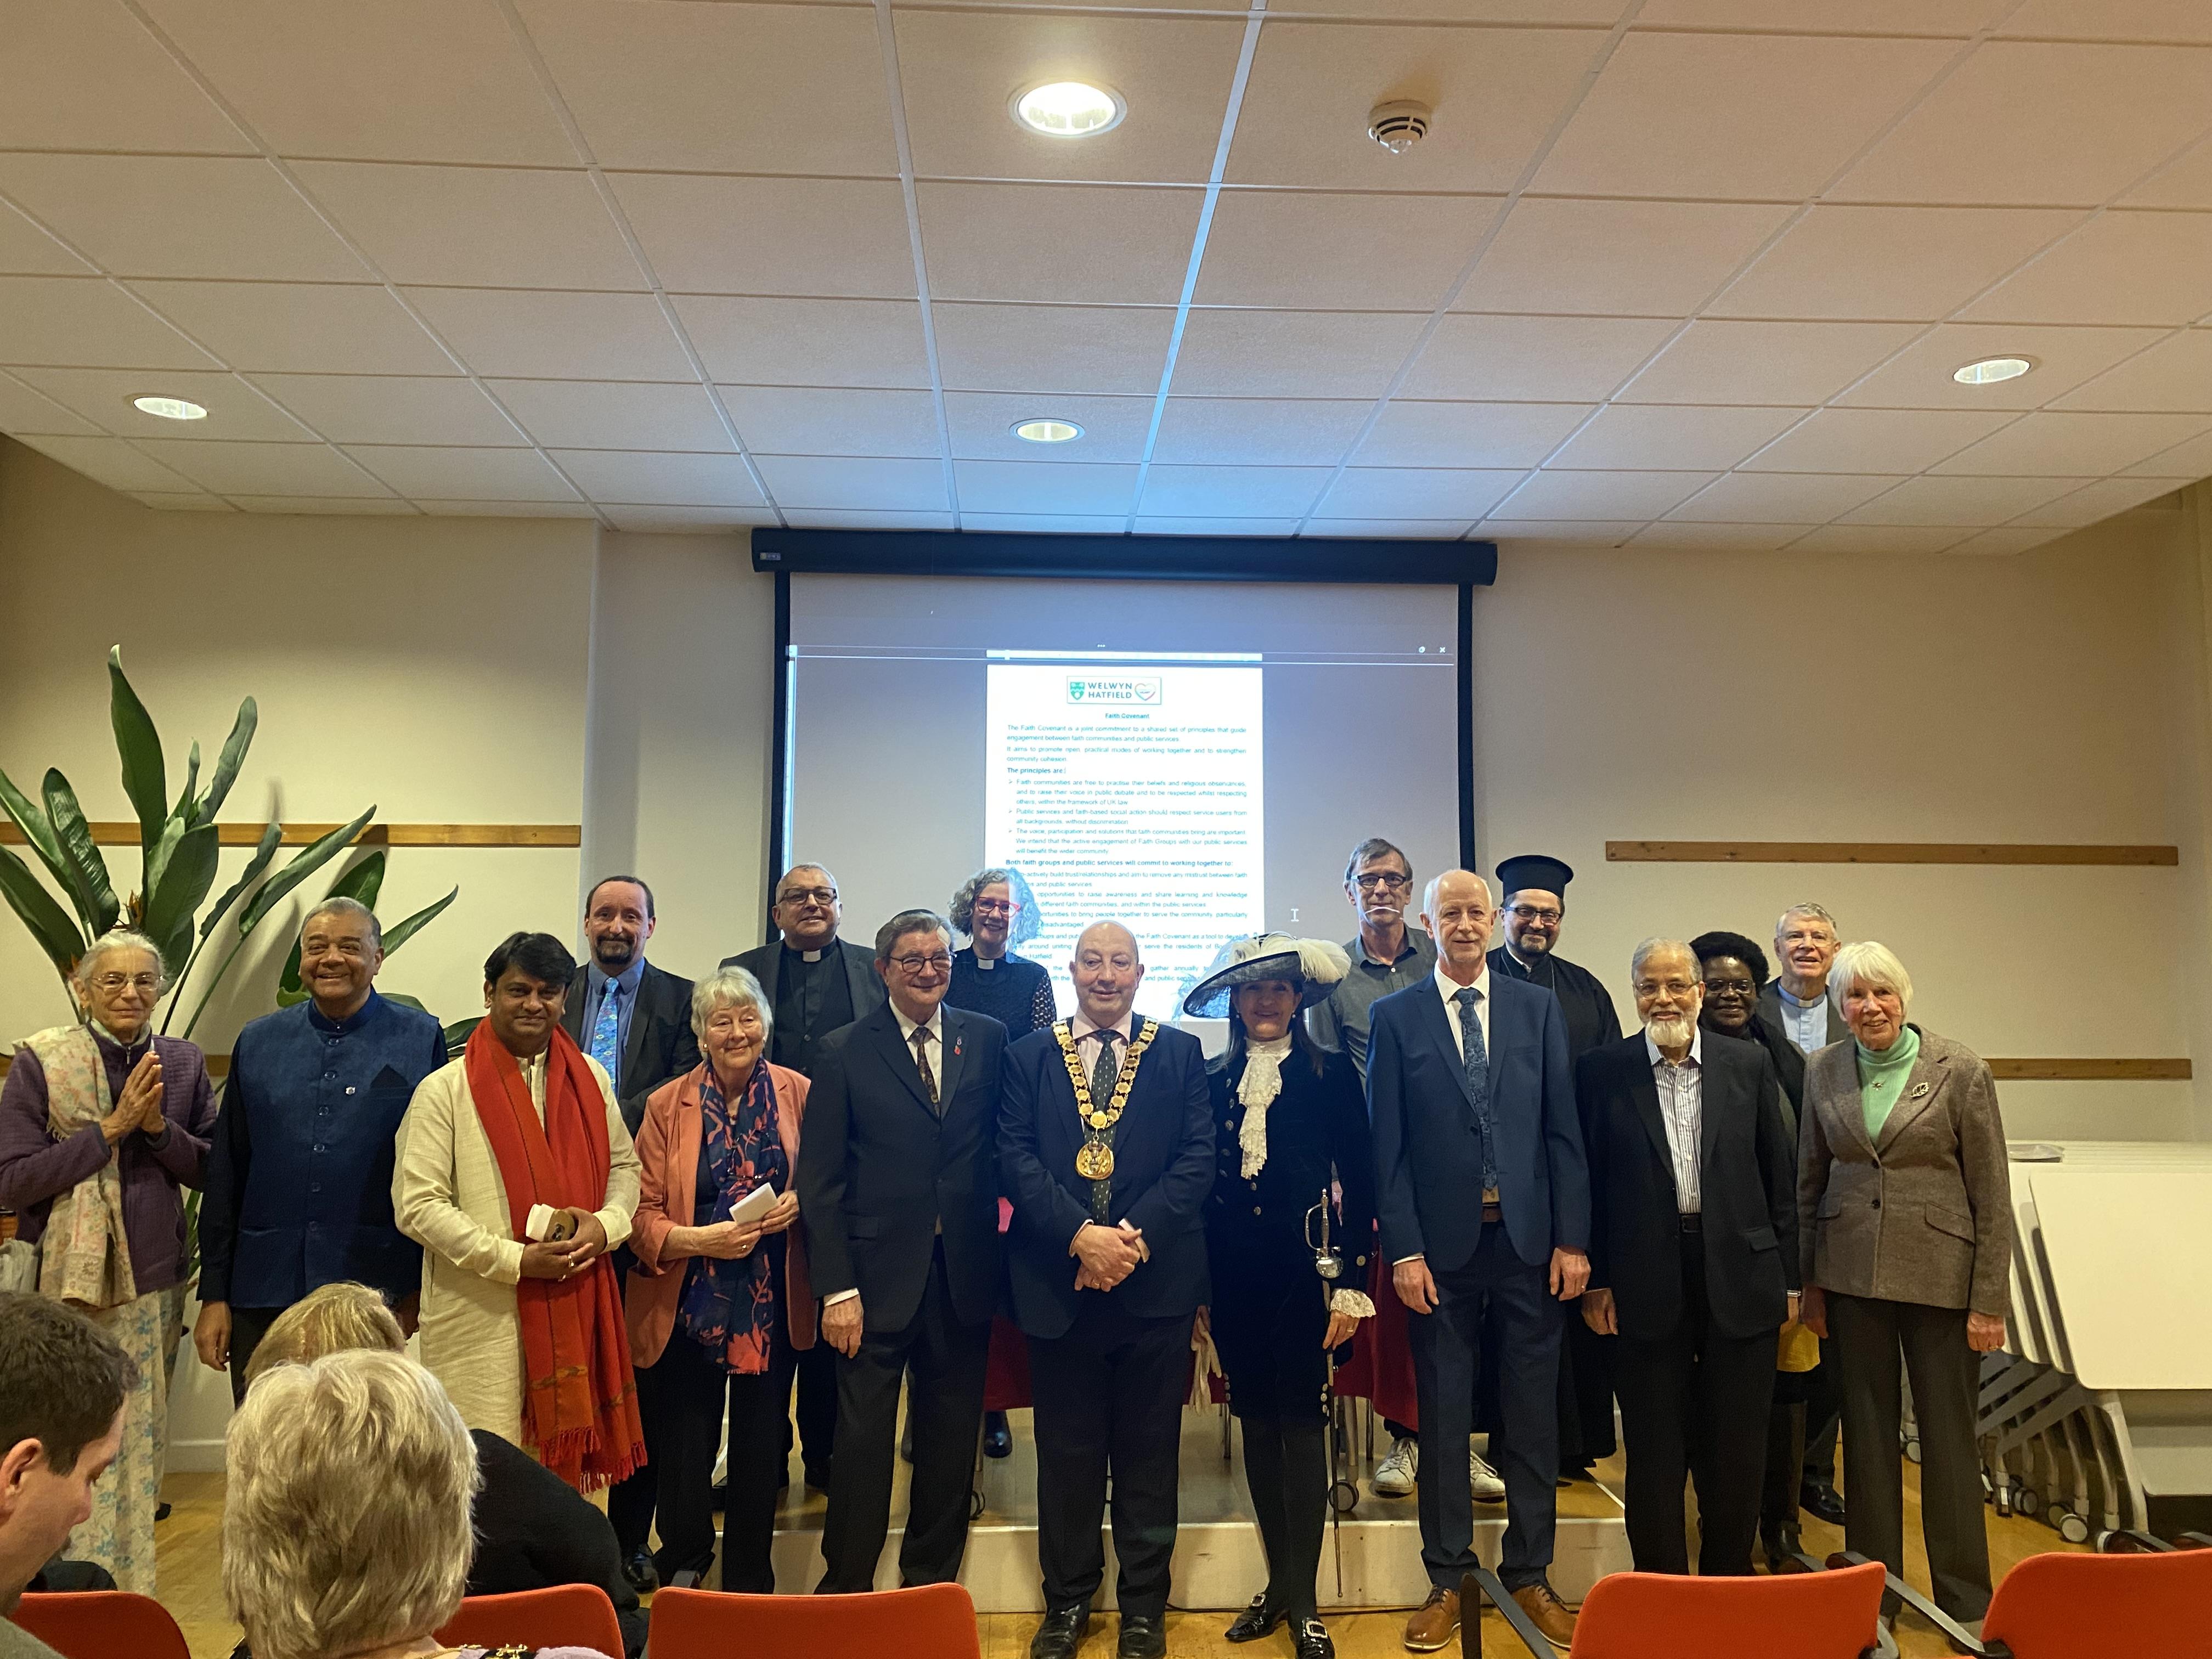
x: 1290, y: 1134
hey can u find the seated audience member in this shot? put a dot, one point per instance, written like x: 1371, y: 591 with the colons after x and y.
x: 62, y: 1385
x: 532, y: 1530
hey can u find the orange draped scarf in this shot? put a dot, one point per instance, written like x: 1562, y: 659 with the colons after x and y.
x: 579, y: 1396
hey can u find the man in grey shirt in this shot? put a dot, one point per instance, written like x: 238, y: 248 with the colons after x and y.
x: 1387, y: 956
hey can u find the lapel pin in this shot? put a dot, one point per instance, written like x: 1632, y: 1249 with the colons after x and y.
x: 1920, y: 1091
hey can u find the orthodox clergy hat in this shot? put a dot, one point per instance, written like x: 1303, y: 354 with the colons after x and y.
x: 1546, y: 875
x: 1316, y: 965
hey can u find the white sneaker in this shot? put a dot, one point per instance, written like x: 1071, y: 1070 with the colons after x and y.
x: 1488, y: 1488
x: 1396, y: 1475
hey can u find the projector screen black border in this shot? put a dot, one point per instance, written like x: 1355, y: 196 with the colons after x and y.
x: 1142, y: 558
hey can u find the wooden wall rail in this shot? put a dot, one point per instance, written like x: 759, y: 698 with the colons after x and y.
x: 376, y: 834
x: 1879, y: 852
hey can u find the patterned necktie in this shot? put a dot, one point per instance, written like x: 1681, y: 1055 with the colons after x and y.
x: 606, y: 1031
x: 1105, y: 1071
x: 1476, y: 1057
x: 922, y: 1061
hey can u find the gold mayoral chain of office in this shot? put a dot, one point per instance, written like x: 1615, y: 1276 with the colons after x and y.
x: 1094, y: 1159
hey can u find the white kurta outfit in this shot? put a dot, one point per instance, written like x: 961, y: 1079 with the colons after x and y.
x: 446, y: 1195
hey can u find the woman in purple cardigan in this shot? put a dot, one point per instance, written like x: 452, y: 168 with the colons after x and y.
x: 101, y: 1124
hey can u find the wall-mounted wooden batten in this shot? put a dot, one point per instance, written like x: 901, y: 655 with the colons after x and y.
x: 2090, y: 1071
x: 376, y: 835
x: 1882, y: 852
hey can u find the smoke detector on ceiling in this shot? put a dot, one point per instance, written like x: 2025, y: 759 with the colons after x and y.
x: 1399, y: 125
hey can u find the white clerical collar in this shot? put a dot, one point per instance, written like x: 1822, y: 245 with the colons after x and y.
x: 806, y: 956
x: 1695, y: 1057
x: 1796, y: 1001
x: 984, y: 965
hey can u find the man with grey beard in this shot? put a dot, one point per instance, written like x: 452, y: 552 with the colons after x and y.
x: 1692, y: 1226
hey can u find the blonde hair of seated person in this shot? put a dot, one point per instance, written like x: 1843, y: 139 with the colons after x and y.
x: 329, y: 1320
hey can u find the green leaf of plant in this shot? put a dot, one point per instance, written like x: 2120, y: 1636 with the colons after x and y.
x: 183, y: 809
x: 38, y: 911
x: 176, y: 893
x: 139, y: 746
x: 400, y: 932
x: 304, y: 864
x: 271, y: 838
x: 227, y: 763
x: 173, y: 831
x: 84, y: 871
x: 291, y: 999
x: 404, y: 1001
x: 457, y: 1034
x: 360, y: 883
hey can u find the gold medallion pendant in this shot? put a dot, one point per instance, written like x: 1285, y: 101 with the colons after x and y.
x: 1094, y: 1161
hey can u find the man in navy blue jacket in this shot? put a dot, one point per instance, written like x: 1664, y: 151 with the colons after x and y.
x: 1482, y: 1194
x: 299, y: 1178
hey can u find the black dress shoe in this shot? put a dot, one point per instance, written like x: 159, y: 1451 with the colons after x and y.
x: 640, y: 1574
x: 998, y: 1438
x: 1143, y: 1637
x: 1310, y: 1639
x: 1818, y: 1498
x: 1061, y: 1634
x: 1254, y: 1622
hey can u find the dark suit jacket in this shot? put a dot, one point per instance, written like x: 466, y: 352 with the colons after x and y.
x: 1747, y: 1180
x: 878, y: 1169
x: 662, y: 1043
x: 1770, y: 1010
x: 765, y: 963
x: 534, y: 1531
x: 1428, y: 1154
x: 1163, y: 1169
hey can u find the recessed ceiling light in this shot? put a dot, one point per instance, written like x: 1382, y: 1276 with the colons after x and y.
x: 170, y: 408
x: 1048, y: 432
x: 1068, y: 109
x: 1990, y: 370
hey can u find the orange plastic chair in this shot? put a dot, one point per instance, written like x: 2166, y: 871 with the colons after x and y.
x: 930, y: 1621
x: 1650, y: 1616
x: 102, y: 1624
x: 2063, y: 1605
x: 563, y: 1615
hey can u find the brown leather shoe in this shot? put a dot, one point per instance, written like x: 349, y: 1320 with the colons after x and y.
x: 1548, y: 1614
x: 1435, y: 1622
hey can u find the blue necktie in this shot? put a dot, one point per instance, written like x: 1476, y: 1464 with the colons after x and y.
x: 606, y: 1031
x: 1476, y: 1058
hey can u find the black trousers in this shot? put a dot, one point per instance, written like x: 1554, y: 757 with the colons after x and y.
x: 1946, y: 1376
x: 1824, y: 1417
x: 1447, y: 1345
x: 947, y: 1360
x: 1785, y: 1459
x: 816, y: 1410
x: 1108, y: 1397
x: 247, y: 1327
x: 1694, y: 1406
x: 682, y: 1396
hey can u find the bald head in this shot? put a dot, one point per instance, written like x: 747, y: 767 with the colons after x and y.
x: 1106, y: 971
x: 1457, y: 911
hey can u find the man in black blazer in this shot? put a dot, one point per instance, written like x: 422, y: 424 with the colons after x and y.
x: 1482, y: 1196
x: 1106, y: 1148
x: 631, y: 1016
x: 1693, y: 1259
x: 898, y: 1185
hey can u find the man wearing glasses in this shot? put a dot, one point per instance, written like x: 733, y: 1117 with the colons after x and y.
x: 1387, y: 956
x: 898, y: 1186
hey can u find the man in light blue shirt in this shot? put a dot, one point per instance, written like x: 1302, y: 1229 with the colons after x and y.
x: 1796, y: 1001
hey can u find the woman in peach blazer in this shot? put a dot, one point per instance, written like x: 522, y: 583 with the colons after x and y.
x: 718, y: 1309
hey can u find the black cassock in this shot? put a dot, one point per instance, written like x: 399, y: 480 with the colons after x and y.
x: 1585, y: 1358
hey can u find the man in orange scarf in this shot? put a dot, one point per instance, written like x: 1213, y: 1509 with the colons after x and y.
x: 522, y: 1323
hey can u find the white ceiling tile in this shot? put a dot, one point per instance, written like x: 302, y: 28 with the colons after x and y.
x: 1045, y: 487
x: 823, y: 237
x: 395, y: 409
x: 1952, y: 17
x: 848, y: 517
x: 1780, y: 497
x: 1183, y: 526
x: 1551, y: 495
x: 774, y: 342
x: 1662, y: 437
x: 2111, y: 20
x: 1045, y: 523
x: 813, y: 421
x: 28, y: 251
x: 1417, y: 530
x: 111, y: 461
x: 1411, y: 433
x: 1745, y: 362
x: 2092, y: 503
x: 1920, y: 377
x: 539, y: 336
x: 1961, y: 500
x: 1875, y: 440
x: 1601, y: 12
x: 179, y: 216
x: 85, y: 76
x: 1269, y: 432
x: 85, y: 321
x: 497, y: 509
x: 2005, y: 543
x: 983, y: 425
x: 656, y: 480
x: 1292, y: 354
x: 1063, y: 243
x: 2185, y: 182
x: 1786, y: 111
x: 24, y: 409
x: 234, y: 409
x: 1375, y: 250
x: 686, y: 520
x: 1571, y: 359
x: 2174, y: 375
x: 1404, y: 492
x: 1557, y: 256
x: 250, y: 469
x: 402, y: 80
x: 2124, y: 267
x: 1879, y: 539
x: 2033, y: 123
x: 477, y: 227
x: 1681, y: 534
x: 727, y: 89
x: 2192, y: 459
x: 458, y: 473
x: 1230, y: 492
x: 1052, y: 349
x: 2037, y: 445
x: 612, y: 415
x: 165, y: 501
x: 959, y: 71
x: 1581, y: 532
x: 1495, y: 93
x: 311, y: 328
x: 837, y: 483
x: 347, y: 507
x: 1916, y: 262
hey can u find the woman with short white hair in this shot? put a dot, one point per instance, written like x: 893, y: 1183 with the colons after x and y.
x: 1904, y: 1217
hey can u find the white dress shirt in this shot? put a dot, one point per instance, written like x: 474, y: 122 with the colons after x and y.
x: 1449, y: 988
x: 1806, y: 1023
x: 1682, y: 1109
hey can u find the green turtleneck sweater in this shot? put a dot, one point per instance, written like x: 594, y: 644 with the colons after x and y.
x: 1882, y: 1077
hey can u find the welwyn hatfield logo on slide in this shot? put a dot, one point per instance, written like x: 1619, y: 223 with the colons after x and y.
x: 1114, y: 690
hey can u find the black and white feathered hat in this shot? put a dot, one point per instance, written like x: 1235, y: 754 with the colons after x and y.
x: 1313, y: 963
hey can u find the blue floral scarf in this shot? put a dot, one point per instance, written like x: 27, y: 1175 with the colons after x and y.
x: 731, y: 1307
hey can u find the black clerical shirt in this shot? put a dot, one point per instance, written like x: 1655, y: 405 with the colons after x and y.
x: 812, y: 1000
